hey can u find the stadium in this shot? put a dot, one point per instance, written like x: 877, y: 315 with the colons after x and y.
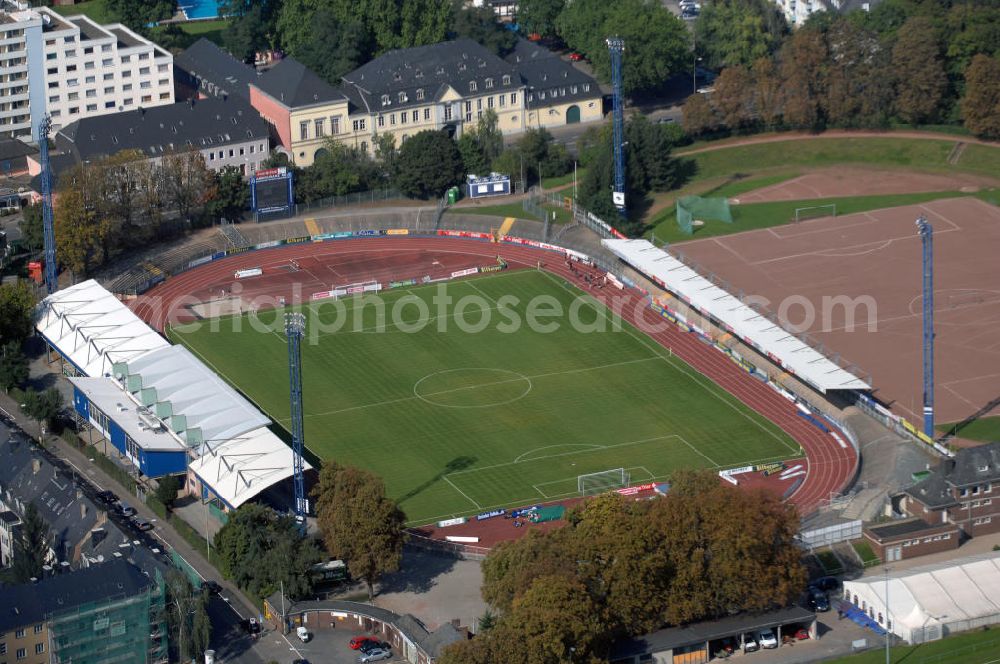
x: 643, y: 374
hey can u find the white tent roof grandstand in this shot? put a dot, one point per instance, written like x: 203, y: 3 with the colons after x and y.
x: 93, y: 329
x: 107, y: 395
x: 211, y: 410
x: 795, y: 355
x: 928, y: 602
x: 243, y: 467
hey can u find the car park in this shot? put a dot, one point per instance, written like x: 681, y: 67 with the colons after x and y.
x: 750, y: 643
x: 358, y: 641
x: 369, y: 646
x: 376, y: 655
x: 767, y: 639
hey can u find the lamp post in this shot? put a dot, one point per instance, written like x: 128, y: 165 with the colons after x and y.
x: 888, y: 622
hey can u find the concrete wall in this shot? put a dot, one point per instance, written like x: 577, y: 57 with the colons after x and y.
x: 275, y: 113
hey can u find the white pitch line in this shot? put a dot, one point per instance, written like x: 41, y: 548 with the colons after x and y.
x: 445, y: 478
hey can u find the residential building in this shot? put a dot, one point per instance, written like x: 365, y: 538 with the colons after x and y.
x: 911, y: 538
x: 557, y: 93
x: 111, y: 612
x: 506, y: 10
x: 14, y: 157
x: 205, y: 70
x: 72, y: 68
x: 798, y: 12
x: 226, y: 131
x: 963, y: 490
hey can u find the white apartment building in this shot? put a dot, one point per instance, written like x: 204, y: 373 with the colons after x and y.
x: 798, y: 11
x: 75, y: 69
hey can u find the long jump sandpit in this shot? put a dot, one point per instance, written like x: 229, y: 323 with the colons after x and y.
x: 818, y: 275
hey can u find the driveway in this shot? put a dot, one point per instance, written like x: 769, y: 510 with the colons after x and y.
x: 330, y: 646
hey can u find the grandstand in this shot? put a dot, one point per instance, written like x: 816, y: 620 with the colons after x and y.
x: 160, y: 407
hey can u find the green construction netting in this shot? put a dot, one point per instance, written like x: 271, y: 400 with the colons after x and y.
x: 692, y: 208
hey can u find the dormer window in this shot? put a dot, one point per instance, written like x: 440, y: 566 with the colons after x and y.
x: 402, y: 97
x: 489, y: 83
x: 472, y: 86
x: 506, y: 79
x: 586, y: 87
x: 983, y: 469
x: 385, y: 100
x: 420, y: 94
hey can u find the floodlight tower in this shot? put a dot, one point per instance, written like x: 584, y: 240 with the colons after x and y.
x: 927, y: 240
x: 48, y: 226
x: 295, y: 325
x: 617, y: 46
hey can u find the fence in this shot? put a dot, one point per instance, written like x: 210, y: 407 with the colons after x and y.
x: 820, y: 537
x: 357, y: 198
x: 457, y: 549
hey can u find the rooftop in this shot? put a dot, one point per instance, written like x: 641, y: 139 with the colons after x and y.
x: 31, y: 603
x: 197, y: 124
x: 209, y: 64
x: 89, y: 29
x: 292, y: 84
x: 126, y: 38
x: 542, y: 70
x: 107, y: 395
x: 903, y: 528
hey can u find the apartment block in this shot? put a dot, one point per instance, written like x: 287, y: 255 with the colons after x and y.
x: 72, y: 68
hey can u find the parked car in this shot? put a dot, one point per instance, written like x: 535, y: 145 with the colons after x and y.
x: 375, y: 656
x: 125, y: 509
x: 576, y: 57
x: 142, y: 524
x: 729, y: 645
x: 369, y: 646
x: 802, y: 634
x: 303, y: 633
x: 706, y: 90
x: 767, y: 639
x: 107, y: 497
x: 818, y: 601
x: 665, y: 120
x: 358, y: 641
x: 750, y: 643
x: 251, y: 626
x: 211, y: 587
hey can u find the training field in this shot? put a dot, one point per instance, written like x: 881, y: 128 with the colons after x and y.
x: 460, y: 421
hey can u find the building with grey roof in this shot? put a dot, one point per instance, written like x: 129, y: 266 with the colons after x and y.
x: 205, y: 69
x: 557, y: 93
x: 226, y: 131
x: 963, y: 490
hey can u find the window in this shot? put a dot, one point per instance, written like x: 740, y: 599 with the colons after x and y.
x: 90, y: 79
x: 906, y: 543
x: 54, y: 99
x: 468, y: 116
x: 927, y: 540
x: 73, y: 96
x: 127, y: 87
x: 364, y: 144
x: 21, y: 653
x: 416, y: 116
x: 211, y: 156
x: 88, y: 65
x: 420, y: 94
x: 506, y: 79
x: 91, y: 94
x: 109, y: 104
x: 946, y: 536
x: 479, y: 104
x: 231, y: 153
x: 468, y: 107
x: 143, y: 71
x: 937, y: 538
x: 541, y: 94
x: 126, y: 58
x: 404, y: 138
x: 71, y: 53
x: 503, y: 100
x: 163, y: 81
x: 385, y: 100
x: 109, y: 77
x: 127, y: 73
x: 146, y: 99
x: 164, y: 95
x: 105, y: 48
x: 427, y: 114
x: 162, y: 68
x: 572, y: 89
x: 53, y: 71
x: 70, y: 68
x: 447, y: 113
x: 335, y: 124
x: 73, y: 82
x: 402, y: 97
x: 359, y: 125
x: 128, y: 102
x: 472, y: 86
x: 39, y: 648
x: 70, y: 39
x: 53, y: 85
x: 489, y: 83
x: 303, y: 130
x: 513, y: 99
x: 489, y: 103
x: 106, y: 62
x: 109, y: 90
x: 586, y: 87
x: 402, y: 118
x: 144, y: 56
x: 241, y: 152
x: 381, y: 121
x: 319, y: 124
x: 19, y: 634
x: 252, y: 148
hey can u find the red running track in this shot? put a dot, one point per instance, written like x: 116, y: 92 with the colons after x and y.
x: 829, y: 465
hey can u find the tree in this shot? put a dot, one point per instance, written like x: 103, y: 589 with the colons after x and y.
x: 138, y: 14
x: 80, y: 234
x: 539, y: 16
x: 252, y: 26
x: 920, y: 77
x: 738, y: 32
x: 231, y: 194
x: 360, y: 524
x: 187, y: 617
x: 32, y: 548
x: 333, y: 48
x: 859, y: 87
x: 167, y: 488
x: 32, y: 231
x: 733, y: 97
x: 802, y: 70
x: 699, y: 116
x: 43, y: 406
x: 13, y: 366
x: 187, y: 183
x: 657, y: 42
x: 767, y: 93
x: 473, y: 161
x: 17, y: 305
x: 981, y: 103
x: 384, y: 147
x: 428, y: 164
x: 480, y: 25
x: 261, y: 551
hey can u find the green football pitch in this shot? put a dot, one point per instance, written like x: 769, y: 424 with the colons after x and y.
x: 459, y: 420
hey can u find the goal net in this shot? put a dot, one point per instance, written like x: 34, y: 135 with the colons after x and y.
x: 607, y: 480
x: 815, y: 212
x: 694, y: 211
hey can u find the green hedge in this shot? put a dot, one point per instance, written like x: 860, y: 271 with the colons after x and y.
x: 154, y: 504
x: 116, y: 472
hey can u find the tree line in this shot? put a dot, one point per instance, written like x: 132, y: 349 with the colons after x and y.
x: 622, y: 568
x: 913, y: 62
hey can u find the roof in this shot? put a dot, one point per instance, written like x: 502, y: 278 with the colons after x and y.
x: 93, y: 329
x: 217, y: 72
x: 932, y: 491
x: 972, y: 465
x: 212, y: 411
x: 433, y: 69
x: 748, y: 324
x: 676, y: 637
x: 89, y: 29
x: 32, y: 603
x: 126, y: 38
x: 906, y: 527
x: 107, y: 395
x: 958, y: 590
x: 292, y: 84
x: 11, y: 148
x: 239, y: 469
x: 541, y: 70
x: 198, y: 124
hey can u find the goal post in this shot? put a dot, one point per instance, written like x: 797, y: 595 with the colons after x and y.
x: 815, y: 212
x: 592, y: 484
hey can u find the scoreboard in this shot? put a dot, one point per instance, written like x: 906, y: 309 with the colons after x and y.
x: 272, y: 193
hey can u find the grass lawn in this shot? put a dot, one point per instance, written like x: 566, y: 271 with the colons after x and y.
x: 459, y: 421
x: 978, y: 647
x: 94, y: 9
x: 986, y: 429
x: 752, y: 216
x: 549, y: 183
x: 563, y: 216
x: 829, y: 561
x: 864, y: 551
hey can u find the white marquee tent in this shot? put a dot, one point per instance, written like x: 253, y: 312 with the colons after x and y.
x: 932, y: 601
